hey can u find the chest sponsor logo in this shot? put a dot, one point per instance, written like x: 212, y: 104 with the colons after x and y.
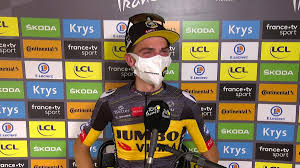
x: 236, y: 164
x: 43, y: 70
x: 287, y: 29
x: 14, y: 163
x: 84, y: 90
x: 240, y: 29
x: 12, y: 109
x: 201, y: 91
x: 208, y: 110
x: 11, y: 69
x: 282, y: 152
x: 236, y: 111
x: 46, y: 110
x: 47, y: 129
x: 45, y: 90
x: 280, y: 51
x: 40, y: 27
x: 279, y: 72
x: 11, y: 90
x: 114, y: 50
x: 82, y: 49
x: 118, y: 71
x: 14, y: 148
x: 244, y: 131
x: 57, y: 163
x: 47, y: 49
x: 13, y: 129
x: 200, y: 30
x: 239, y: 51
x: 276, y: 113
x: 275, y: 132
x: 79, y: 28
x: 199, y: 72
x: 238, y: 72
x: 200, y: 51
x: 10, y: 48
x: 80, y: 110
x: 47, y: 148
x: 278, y: 92
x: 84, y: 70
x: 234, y: 91
x: 272, y: 165
x: 137, y: 111
x: 114, y: 29
x: 9, y: 26
x: 235, y: 150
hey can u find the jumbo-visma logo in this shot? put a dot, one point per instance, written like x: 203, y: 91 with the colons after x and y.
x: 84, y: 70
x: 47, y: 129
x: 280, y: 51
x: 114, y: 50
x: 15, y: 148
x: 200, y: 51
x: 9, y: 26
x: 238, y: 71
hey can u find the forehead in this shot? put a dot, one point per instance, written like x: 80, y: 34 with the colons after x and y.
x: 152, y: 42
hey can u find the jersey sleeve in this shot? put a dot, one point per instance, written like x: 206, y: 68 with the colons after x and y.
x: 193, y: 121
x: 100, y: 117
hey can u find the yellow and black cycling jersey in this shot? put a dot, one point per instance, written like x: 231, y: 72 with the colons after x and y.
x: 124, y: 108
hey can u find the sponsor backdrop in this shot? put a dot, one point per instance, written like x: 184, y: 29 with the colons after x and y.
x: 240, y: 60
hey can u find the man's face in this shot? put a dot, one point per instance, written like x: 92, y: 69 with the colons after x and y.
x: 152, y: 46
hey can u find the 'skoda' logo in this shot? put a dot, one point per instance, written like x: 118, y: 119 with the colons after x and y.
x: 8, y: 150
x: 237, y: 72
x: 197, y: 52
x: 279, y: 52
x: 46, y: 130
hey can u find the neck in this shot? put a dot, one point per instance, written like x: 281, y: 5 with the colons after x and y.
x: 143, y: 86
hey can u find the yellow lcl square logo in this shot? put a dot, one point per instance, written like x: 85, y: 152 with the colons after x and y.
x: 9, y: 26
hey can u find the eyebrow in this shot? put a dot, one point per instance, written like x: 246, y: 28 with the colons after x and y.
x: 151, y: 49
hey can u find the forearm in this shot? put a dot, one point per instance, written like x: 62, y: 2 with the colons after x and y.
x: 212, y: 154
x: 82, y: 155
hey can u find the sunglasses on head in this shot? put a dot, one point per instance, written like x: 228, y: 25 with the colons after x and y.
x: 143, y: 17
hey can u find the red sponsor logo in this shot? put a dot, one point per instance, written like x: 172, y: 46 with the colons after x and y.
x: 137, y: 111
x: 82, y: 135
x: 209, y: 143
x: 124, y: 146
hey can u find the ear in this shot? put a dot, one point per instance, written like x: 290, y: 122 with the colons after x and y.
x: 129, y: 60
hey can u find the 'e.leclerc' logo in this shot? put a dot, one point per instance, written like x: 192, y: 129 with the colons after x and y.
x: 275, y: 132
x: 286, y: 72
x: 79, y: 28
x: 15, y: 148
x: 280, y: 51
x: 241, y: 29
x: 114, y: 29
x: 9, y: 26
x: 235, y: 150
x: 276, y: 113
x: 200, y: 30
x: 40, y: 27
x: 45, y: 90
x: 47, y: 129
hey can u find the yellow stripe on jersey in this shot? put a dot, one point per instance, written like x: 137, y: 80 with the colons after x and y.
x: 91, y: 137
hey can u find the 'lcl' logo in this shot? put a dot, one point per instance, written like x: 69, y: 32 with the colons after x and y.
x: 119, y: 51
x: 7, y: 148
x: 46, y: 130
x: 279, y: 52
x: 3, y: 25
x: 237, y: 72
x: 196, y: 51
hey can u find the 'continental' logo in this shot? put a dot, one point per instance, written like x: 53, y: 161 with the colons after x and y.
x: 83, y: 90
x: 200, y: 51
x: 9, y: 26
x: 114, y: 50
x: 10, y: 48
x: 11, y: 69
x: 57, y: 163
x: 279, y: 72
x: 109, y: 86
x: 201, y: 91
x: 11, y: 90
x: 200, y: 30
x: 14, y: 148
x: 47, y: 129
x: 239, y: 131
x: 297, y: 153
x: 280, y: 51
x: 272, y: 165
x: 236, y: 111
x: 80, y: 110
x: 48, y: 148
x: 46, y: 49
x: 84, y: 70
x: 278, y: 92
x: 40, y: 27
x: 238, y: 72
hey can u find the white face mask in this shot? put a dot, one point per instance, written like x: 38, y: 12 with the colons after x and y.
x: 152, y: 70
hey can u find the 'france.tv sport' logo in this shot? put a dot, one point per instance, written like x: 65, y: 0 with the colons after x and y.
x: 199, y: 70
x: 276, y: 111
x: 239, y: 49
x: 121, y: 27
x: 43, y: 68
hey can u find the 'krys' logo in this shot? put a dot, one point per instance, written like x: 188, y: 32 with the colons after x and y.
x: 237, y: 72
x: 8, y: 149
x: 121, y: 27
x: 234, y: 165
x: 199, y: 52
x: 276, y: 111
x: 239, y: 49
x: 118, y: 51
x: 279, y: 52
x: 7, y: 128
x: 83, y: 71
x: 46, y: 130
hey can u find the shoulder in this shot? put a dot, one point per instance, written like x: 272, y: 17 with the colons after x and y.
x: 111, y: 93
x: 174, y: 91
